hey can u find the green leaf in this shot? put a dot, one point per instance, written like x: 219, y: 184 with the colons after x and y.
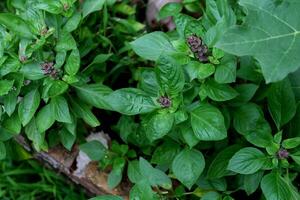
x: 249, y: 121
x: 2, y: 151
x: 142, y: 190
x: 12, y: 124
x: 94, y: 149
x: 291, y: 143
x: 211, y: 196
x: 28, y: 106
x: 5, y: 86
x: 32, y: 71
x: 274, y: 187
x: 73, y: 62
x: 246, y: 92
x: 218, y: 167
x: 188, y: 135
x: 10, y: 65
x: 170, y: 75
x: 208, y: 123
x: 51, y: 6
x: 219, y: 92
x: 195, y: 69
x: 65, y: 42
x: 165, y: 153
x: 148, y: 81
x: 170, y: 9
x: 45, y: 118
x: 60, y: 108
x: 256, y: 34
x: 37, y: 138
x: 67, y: 139
x: 90, y: 6
x: 154, y: 176
x: 131, y: 101
x: 115, y: 176
x: 247, y: 161
x: 73, y: 22
x: 133, y: 172
x: 152, y: 45
x: 57, y: 87
x: 83, y: 111
x: 226, y: 71
x: 94, y: 94
x: 252, y: 181
x: 281, y: 103
x: 107, y: 197
x: 16, y: 25
x: 188, y: 166
x: 158, y: 125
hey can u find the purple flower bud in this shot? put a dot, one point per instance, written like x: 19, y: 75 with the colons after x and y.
x: 282, y: 154
x: 49, y: 70
x: 194, y: 43
x: 165, y: 101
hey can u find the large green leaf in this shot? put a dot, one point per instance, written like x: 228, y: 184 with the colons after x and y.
x: 94, y: 94
x: 270, y: 34
x: 208, y: 123
x: 274, y: 187
x: 188, y: 166
x: 219, y: 92
x: 152, y: 45
x: 249, y: 121
x: 94, y: 149
x: 281, y: 102
x: 247, y: 161
x: 218, y: 167
x: 45, y: 118
x: 28, y: 106
x: 5, y: 86
x: 16, y: 24
x: 131, y: 101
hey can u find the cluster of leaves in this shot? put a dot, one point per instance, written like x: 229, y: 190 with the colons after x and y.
x: 215, y: 108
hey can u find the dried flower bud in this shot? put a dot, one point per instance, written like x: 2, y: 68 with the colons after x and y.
x: 66, y: 7
x: 194, y: 43
x: 23, y: 58
x: 44, y: 31
x: 283, y: 154
x: 165, y: 101
x: 27, y: 82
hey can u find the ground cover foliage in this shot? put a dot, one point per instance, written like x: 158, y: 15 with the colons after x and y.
x: 206, y: 111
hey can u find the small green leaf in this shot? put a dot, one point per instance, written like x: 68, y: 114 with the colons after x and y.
x: 208, y: 123
x: 291, y: 143
x: 133, y: 171
x: 67, y: 138
x: 94, y: 149
x: 57, y: 87
x: 73, y: 62
x: 247, y: 161
x: 73, y: 22
x: 45, y: 118
x: 154, y: 176
x: 12, y: 124
x: 274, y: 187
x: 252, y: 181
x: 152, y: 45
x: 170, y: 9
x: 226, y: 70
x: 159, y: 125
x: 90, y: 6
x: 219, y: 92
x: 115, y: 176
x: 60, y: 109
x: 142, y: 190
x: 83, y: 111
x: 165, y: 153
x: 32, y: 71
x: 16, y: 25
x: 5, y: 86
x: 195, y: 69
x: 37, y: 138
x: 65, y: 42
x: 188, y: 166
x: 28, y: 106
